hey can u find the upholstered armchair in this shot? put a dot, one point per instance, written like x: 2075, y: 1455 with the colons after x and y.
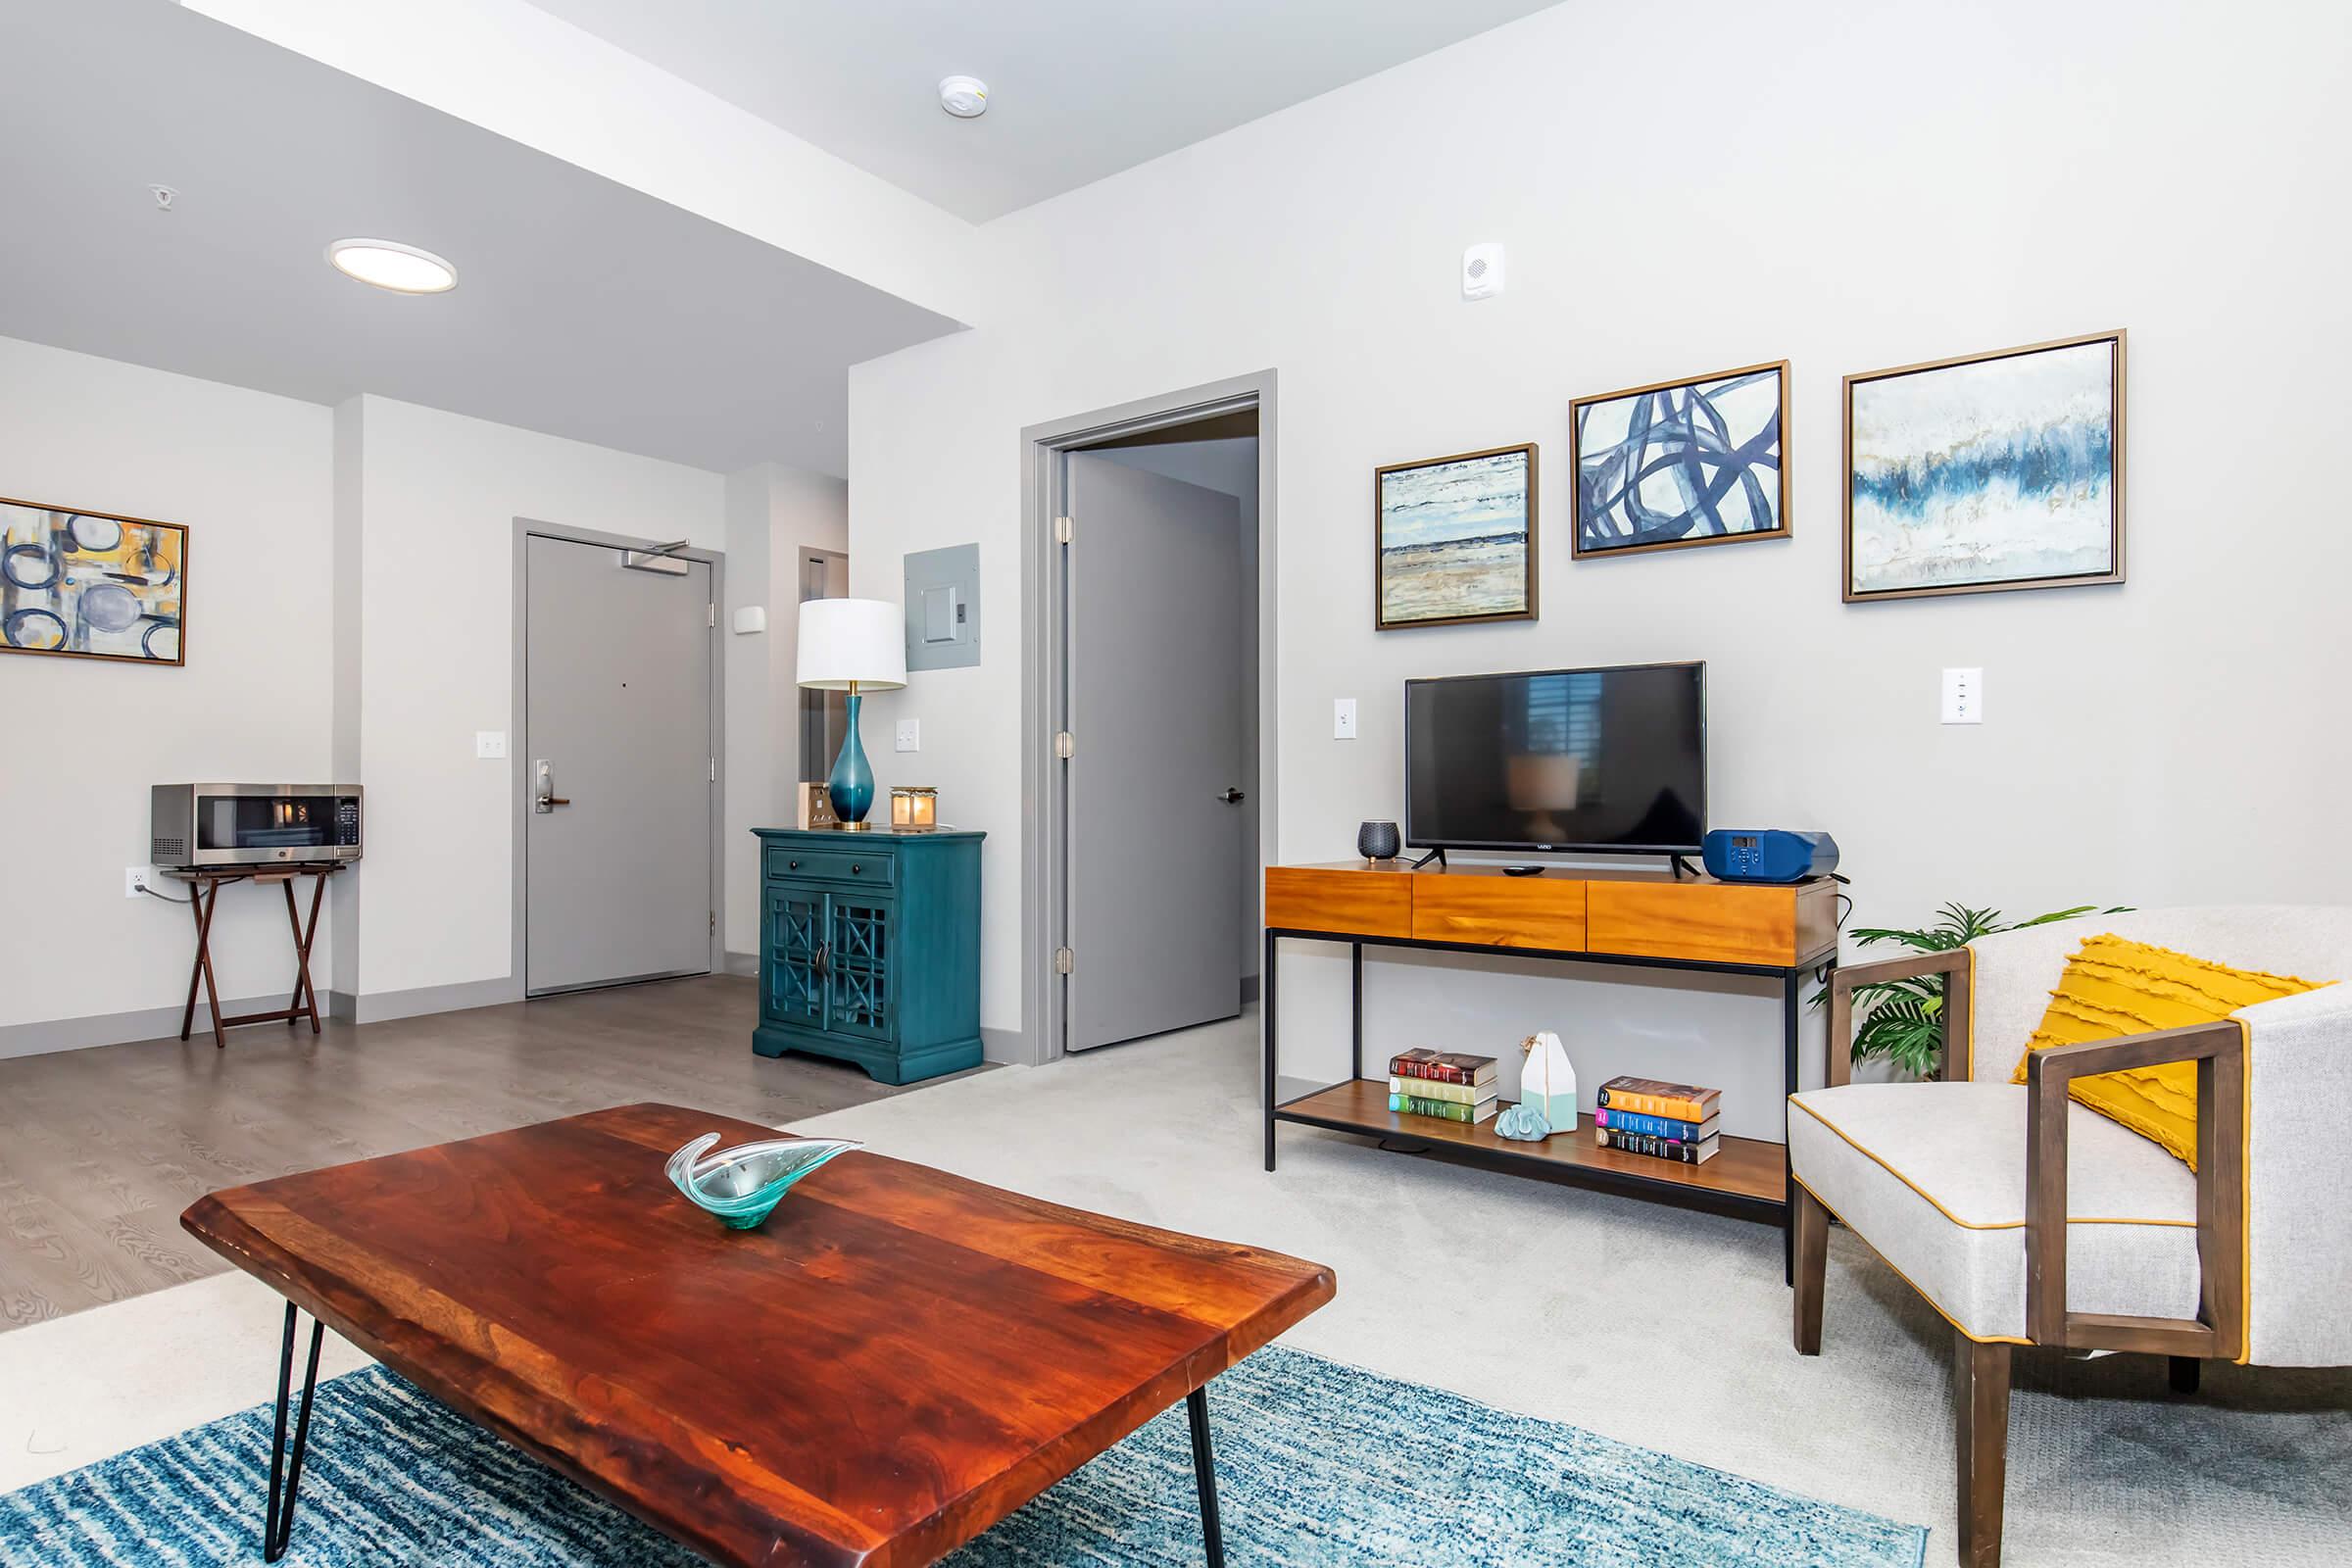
x: 2026, y: 1219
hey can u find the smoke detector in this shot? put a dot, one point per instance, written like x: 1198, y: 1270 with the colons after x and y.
x: 965, y: 97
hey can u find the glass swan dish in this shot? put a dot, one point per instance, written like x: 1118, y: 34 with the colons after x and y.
x: 744, y: 1184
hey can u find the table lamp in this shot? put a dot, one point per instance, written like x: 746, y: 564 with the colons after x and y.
x: 854, y: 646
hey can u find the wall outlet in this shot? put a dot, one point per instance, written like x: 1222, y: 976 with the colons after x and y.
x: 1964, y: 696
x: 909, y: 737
x: 490, y: 743
x: 1343, y: 719
x: 136, y: 879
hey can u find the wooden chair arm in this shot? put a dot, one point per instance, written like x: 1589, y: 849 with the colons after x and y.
x: 1952, y: 962
x: 2219, y: 1329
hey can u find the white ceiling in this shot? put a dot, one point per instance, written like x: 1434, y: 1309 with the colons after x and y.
x: 583, y: 309
x: 1078, y: 89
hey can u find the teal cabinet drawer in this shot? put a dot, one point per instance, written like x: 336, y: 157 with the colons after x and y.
x: 786, y: 861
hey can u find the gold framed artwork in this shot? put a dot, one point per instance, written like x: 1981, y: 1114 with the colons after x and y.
x: 1453, y: 539
x: 1986, y: 472
x: 92, y: 585
x: 1673, y: 464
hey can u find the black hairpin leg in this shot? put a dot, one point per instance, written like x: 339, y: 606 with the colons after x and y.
x: 1204, y: 1475
x: 278, y: 1523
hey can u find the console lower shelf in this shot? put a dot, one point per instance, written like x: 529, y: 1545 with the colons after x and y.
x: 1746, y: 1176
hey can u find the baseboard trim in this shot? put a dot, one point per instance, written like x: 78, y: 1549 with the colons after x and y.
x: 381, y: 1006
x: 1008, y: 1046
x: 746, y: 964
x: 119, y: 1028
x: 1249, y: 990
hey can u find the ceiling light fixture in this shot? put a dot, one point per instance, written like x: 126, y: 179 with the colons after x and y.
x: 965, y: 97
x: 389, y: 264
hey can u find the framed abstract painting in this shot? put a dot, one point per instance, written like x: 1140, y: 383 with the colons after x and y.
x: 92, y: 585
x: 1986, y: 472
x: 1453, y: 539
x: 1676, y: 463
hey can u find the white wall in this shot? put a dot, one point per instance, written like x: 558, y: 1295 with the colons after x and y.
x: 805, y: 511
x: 773, y: 512
x: 350, y: 616
x: 439, y: 496
x: 1850, y: 188
x: 252, y: 477
x: 752, y: 741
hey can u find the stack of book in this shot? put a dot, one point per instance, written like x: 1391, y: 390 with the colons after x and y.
x: 1666, y: 1121
x: 1444, y: 1084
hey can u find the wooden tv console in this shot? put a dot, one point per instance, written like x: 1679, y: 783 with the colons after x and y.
x: 1649, y: 920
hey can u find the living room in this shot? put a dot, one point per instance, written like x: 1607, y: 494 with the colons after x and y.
x: 757, y: 309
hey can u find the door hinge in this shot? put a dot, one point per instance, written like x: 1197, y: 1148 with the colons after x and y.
x: 714, y: 771
x: 1064, y: 960
x: 1065, y: 745
x: 710, y: 613
x: 714, y: 920
x: 1063, y: 529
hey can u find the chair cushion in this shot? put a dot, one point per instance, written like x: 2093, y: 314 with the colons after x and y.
x: 2112, y: 988
x: 1932, y: 1176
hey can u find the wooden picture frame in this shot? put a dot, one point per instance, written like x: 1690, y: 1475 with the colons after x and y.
x: 36, y: 538
x: 1466, y: 580
x: 1769, y: 440
x: 1919, y: 479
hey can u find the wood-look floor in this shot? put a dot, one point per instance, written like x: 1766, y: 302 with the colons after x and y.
x: 100, y: 1150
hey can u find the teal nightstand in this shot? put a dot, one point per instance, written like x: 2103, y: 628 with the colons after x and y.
x: 869, y: 949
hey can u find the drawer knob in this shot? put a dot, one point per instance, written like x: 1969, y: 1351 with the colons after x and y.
x: 793, y: 866
x: 855, y: 868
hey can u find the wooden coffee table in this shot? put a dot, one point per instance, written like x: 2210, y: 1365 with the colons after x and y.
x: 896, y: 1360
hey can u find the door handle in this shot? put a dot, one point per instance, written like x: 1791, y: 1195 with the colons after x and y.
x: 544, y: 798
x: 824, y: 956
x: 1232, y: 797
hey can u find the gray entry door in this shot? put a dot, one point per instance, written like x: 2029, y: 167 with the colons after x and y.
x: 617, y: 684
x: 1156, y: 666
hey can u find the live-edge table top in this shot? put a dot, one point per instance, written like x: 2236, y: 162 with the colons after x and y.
x: 896, y: 1360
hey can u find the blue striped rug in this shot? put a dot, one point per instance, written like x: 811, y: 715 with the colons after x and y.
x: 1317, y: 1464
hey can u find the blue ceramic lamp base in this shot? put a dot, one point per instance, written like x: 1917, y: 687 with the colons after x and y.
x: 851, y: 784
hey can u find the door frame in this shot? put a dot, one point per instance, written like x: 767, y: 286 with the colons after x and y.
x: 519, y: 738
x: 1045, y: 793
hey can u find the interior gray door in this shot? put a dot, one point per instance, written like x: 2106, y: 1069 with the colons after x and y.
x: 616, y: 726
x: 1155, y: 703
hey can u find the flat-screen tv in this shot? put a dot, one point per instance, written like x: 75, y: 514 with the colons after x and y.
x: 1585, y: 761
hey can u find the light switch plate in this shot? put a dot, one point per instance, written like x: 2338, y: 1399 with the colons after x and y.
x: 910, y: 735
x: 1964, y: 696
x: 490, y: 743
x: 1343, y: 719
x: 750, y: 620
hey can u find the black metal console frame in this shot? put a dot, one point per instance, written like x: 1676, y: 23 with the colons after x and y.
x: 1504, y: 1156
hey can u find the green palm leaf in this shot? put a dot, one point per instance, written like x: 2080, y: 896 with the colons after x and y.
x: 1902, y: 1021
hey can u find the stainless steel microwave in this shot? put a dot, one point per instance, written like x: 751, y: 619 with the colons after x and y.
x: 253, y: 824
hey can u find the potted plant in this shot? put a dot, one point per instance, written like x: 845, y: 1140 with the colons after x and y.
x: 1902, y: 1021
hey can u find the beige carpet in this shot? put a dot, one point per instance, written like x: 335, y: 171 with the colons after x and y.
x: 1644, y: 1323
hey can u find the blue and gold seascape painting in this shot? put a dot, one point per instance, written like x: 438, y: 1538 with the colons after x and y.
x: 1454, y: 539
x: 1989, y: 472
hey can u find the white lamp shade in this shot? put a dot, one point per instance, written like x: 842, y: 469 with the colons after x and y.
x: 846, y: 640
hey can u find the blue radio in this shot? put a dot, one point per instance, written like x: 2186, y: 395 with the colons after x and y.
x: 1768, y: 855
